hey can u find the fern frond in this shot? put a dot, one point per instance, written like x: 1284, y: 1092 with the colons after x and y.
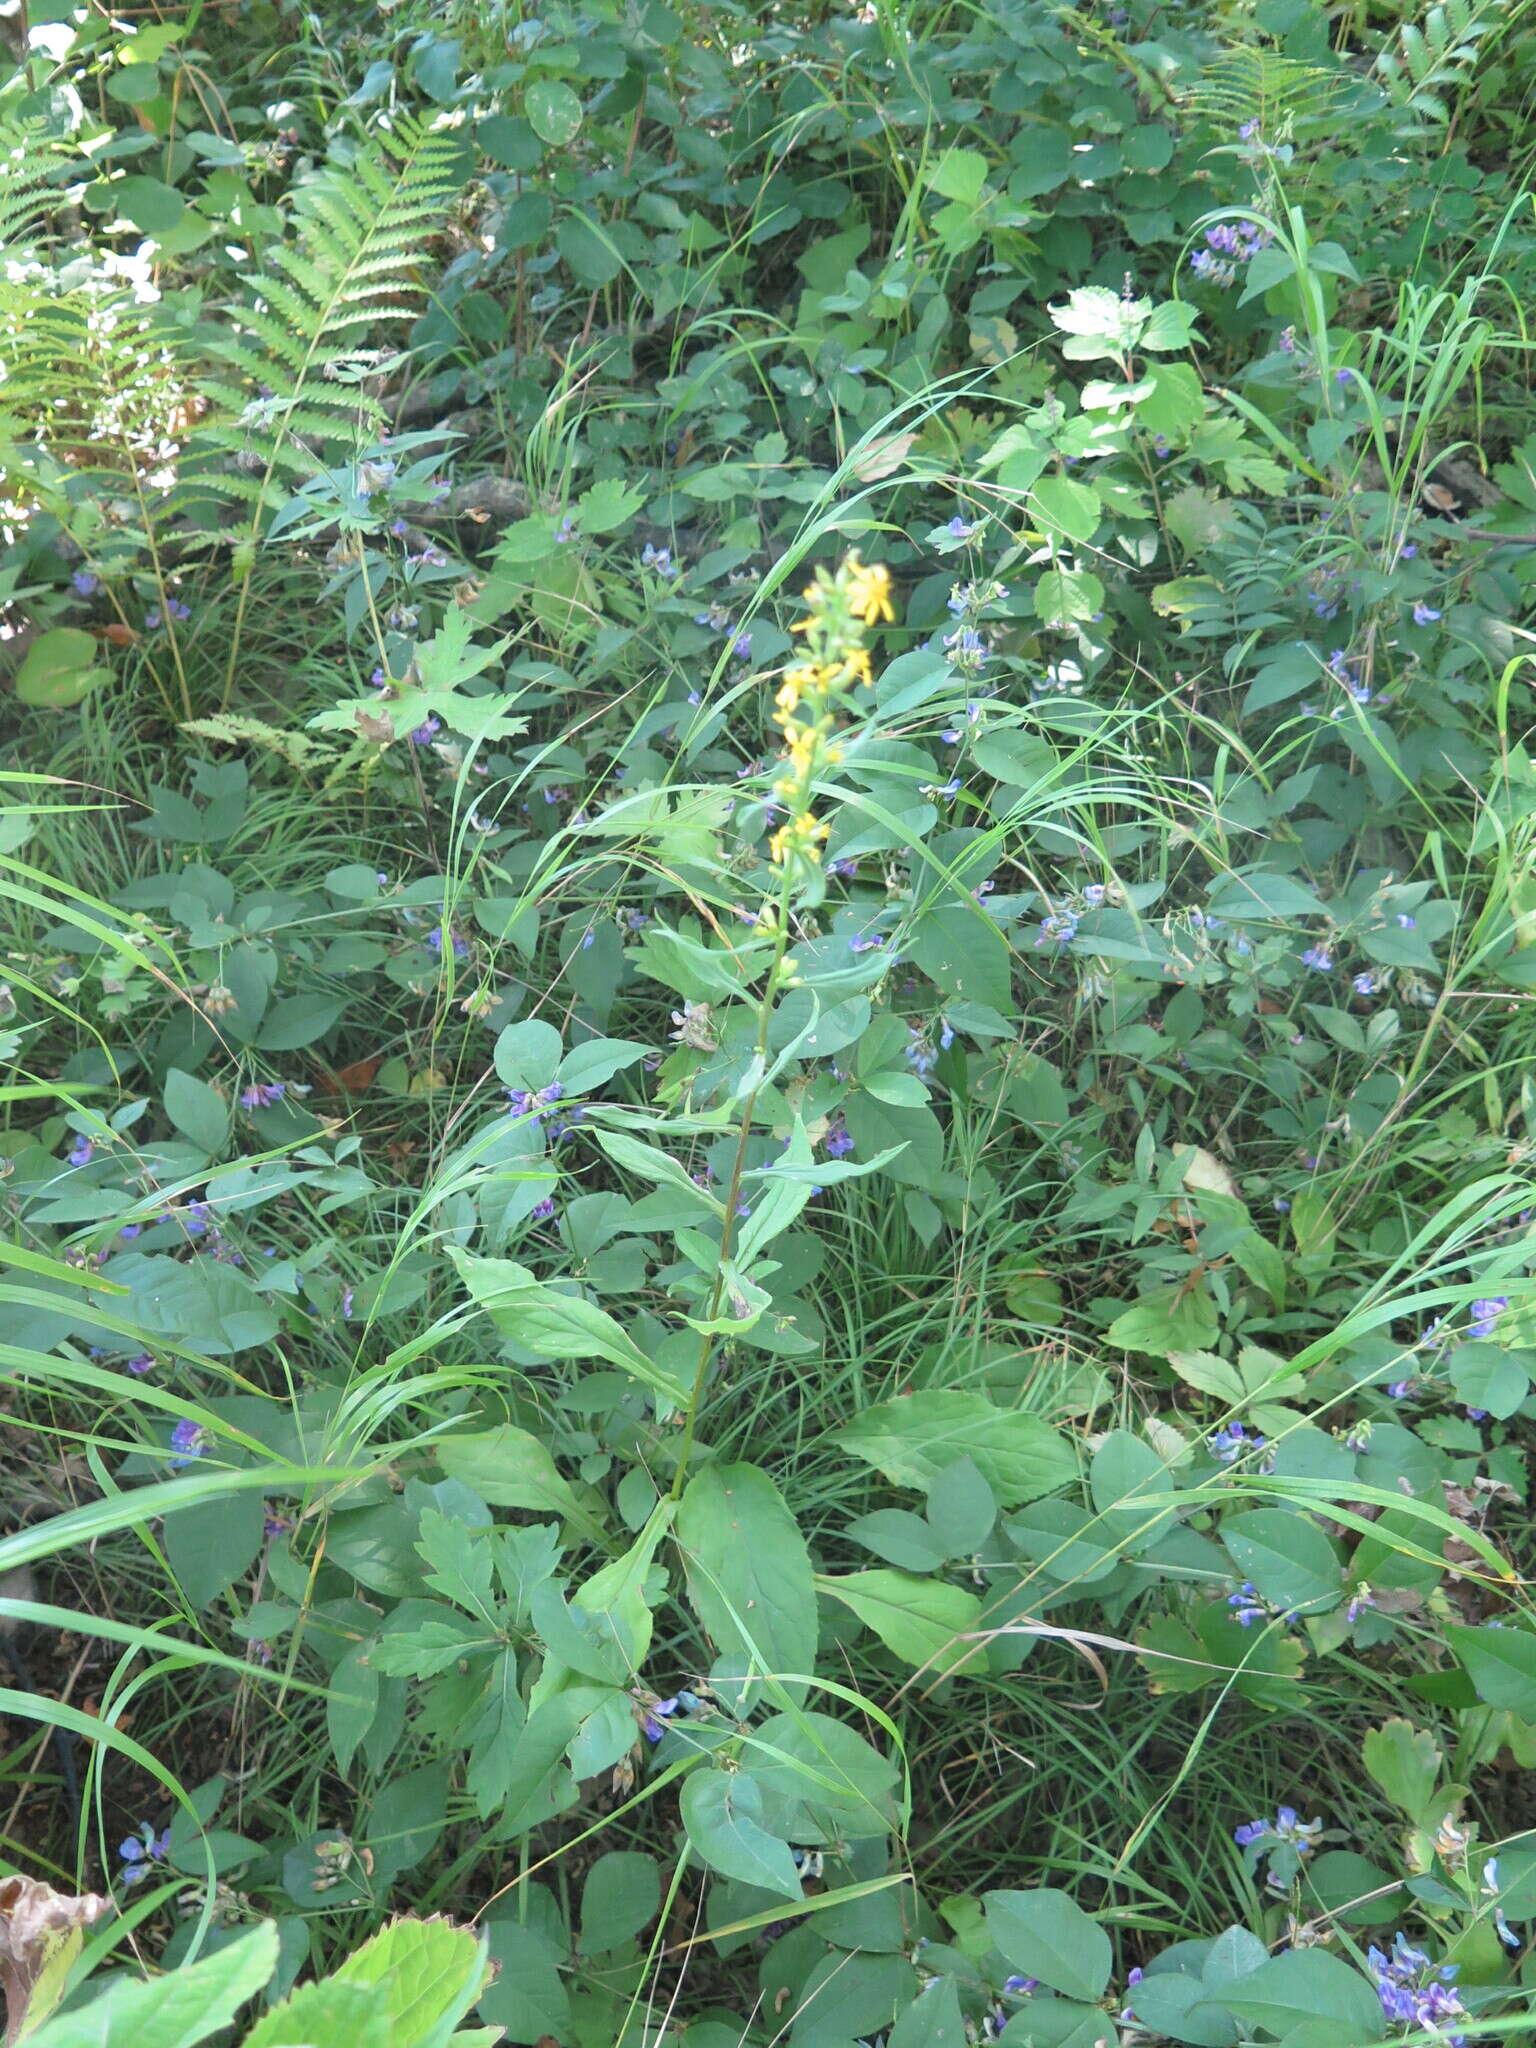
x: 1429, y: 63
x: 31, y: 166
x: 1286, y: 96
x: 348, y: 272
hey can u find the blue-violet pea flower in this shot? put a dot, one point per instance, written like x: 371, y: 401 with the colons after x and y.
x: 1247, y: 1605
x: 139, y: 1851
x: 263, y: 1094
x: 1486, y: 1313
x: 188, y: 1441
x: 1414, y: 1992
x: 1287, y: 1826
x: 1059, y: 929
x: 839, y: 1140
x: 1230, y: 1442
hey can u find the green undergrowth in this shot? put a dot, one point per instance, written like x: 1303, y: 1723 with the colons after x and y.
x: 765, y: 824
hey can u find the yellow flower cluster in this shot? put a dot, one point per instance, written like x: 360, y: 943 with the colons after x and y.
x: 841, y: 607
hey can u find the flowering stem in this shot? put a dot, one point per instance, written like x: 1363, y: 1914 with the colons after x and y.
x: 807, y: 704
x: 733, y: 1193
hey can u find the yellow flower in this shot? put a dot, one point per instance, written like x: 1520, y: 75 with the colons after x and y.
x: 868, y: 590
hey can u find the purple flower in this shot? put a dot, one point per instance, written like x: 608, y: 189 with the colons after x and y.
x: 839, y: 1141
x: 1021, y: 1987
x: 140, y: 1851
x: 1318, y: 957
x: 1424, y: 614
x: 1247, y: 1607
x: 1230, y: 1442
x: 1361, y: 1599
x: 919, y: 1054
x: 1244, y: 134
x: 140, y: 1364
x: 1094, y: 895
x: 1287, y: 1826
x: 1414, y: 1992
x: 263, y: 1094
x: 1407, y: 923
x: 424, y: 733
x: 1059, y: 929
x: 1486, y: 1313
x: 567, y: 529
x: 863, y: 942
x: 965, y: 647
x: 85, y: 583
x: 348, y: 1296
x: 542, y: 1211
x: 188, y: 1441
x: 960, y: 528
x: 459, y: 944
x: 1399, y: 1390
x: 131, y: 1231
x: 659, y: 559
x: 81, y: 1152
x: 1365, y: 984
x: 741, y: 646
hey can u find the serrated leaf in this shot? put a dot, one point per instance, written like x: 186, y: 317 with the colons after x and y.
x: 749, y: 1572
x: 911, y: 1441
x: 1063, y: 506
x: 175, y: 2010
x: 552, y: 1324
x: 428, y: 1974
x: 507, y: 1468
x: 1405, y: 1762
x: 920, y: 1621
x: 1209, y: 1374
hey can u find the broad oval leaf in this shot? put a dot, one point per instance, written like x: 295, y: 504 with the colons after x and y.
x: 1046, y: 1934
